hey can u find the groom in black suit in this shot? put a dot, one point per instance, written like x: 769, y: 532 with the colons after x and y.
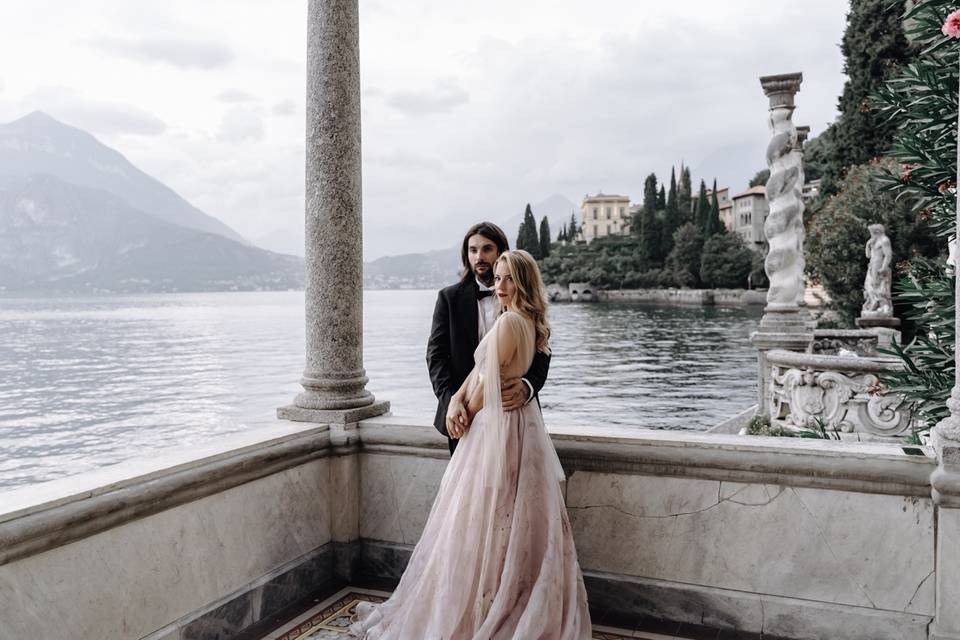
x: 463, y: 314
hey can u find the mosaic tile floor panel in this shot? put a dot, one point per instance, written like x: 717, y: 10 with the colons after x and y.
x: 330, y: 619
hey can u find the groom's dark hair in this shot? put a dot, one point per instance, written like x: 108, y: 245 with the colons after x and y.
x: 487, y: 230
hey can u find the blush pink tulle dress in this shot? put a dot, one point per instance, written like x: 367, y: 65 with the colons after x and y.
x: 496, y: 559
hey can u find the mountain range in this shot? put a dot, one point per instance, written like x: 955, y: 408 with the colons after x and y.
x: 76, y: 216
x: 39, y: 144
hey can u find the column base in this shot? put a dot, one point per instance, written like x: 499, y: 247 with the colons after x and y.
x: 869, y: 322
x: 294, y: 413
x: 786, y: 320
x: 766, y: 341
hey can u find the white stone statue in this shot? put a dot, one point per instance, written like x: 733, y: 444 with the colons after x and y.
x: 877, y: 301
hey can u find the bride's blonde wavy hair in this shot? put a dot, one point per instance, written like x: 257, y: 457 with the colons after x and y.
x: 531, y: 296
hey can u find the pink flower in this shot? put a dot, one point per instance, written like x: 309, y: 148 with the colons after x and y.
x: 951, y: 27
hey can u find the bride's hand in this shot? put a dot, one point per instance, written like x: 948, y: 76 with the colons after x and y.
x: 514, y: 394
x: 458, y: 421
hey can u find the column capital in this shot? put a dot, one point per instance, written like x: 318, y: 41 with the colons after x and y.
x: 781, y: 88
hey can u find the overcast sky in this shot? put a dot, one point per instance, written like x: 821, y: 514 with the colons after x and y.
x: 470, y: 109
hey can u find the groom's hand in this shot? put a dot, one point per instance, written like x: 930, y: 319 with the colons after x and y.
x: 457, y: 419
x: 514, y: 393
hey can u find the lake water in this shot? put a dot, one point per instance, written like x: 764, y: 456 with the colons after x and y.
x: 88, y: 382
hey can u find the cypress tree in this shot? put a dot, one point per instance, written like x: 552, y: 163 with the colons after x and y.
x: 702, y: 207
x: 685, y: 197
x: 573, y: 229
x: 527, y: 238
x: 562, y: 234
x: 671, y: 216
x: 532, y: 238
x: 544, y: 237
x: 521, y: 242
x: 647, y: 227
x: 661, y: 199
x: 874, y: 50
x: 649, y: 202
x: 713, y: 225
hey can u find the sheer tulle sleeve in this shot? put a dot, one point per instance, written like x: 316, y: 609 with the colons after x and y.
x: 508, y: 348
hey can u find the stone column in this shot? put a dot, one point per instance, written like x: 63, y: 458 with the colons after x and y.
x: 786, y: 324
x: 945, y: 438
x: 334, y: 380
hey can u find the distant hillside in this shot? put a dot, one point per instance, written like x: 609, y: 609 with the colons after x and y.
x: 441, y: 267
x: 39, y: 144
x: 414, y: 270
x: 56, y: 236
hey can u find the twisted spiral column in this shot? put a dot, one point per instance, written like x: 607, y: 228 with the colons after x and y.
x: 785, y: 323
x: 784, y: 225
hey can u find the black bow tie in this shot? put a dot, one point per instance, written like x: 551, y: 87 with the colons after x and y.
x: 483, y: 294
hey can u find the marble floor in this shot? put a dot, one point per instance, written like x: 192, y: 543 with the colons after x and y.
x: 329, y: 620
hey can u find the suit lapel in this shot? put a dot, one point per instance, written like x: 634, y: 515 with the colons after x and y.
x: 469, y: 315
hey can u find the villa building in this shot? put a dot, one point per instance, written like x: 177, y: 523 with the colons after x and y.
x: 750, y: 211
x: 604, y: 215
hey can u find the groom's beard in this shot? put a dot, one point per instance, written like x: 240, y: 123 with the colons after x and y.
x: 486, y: 278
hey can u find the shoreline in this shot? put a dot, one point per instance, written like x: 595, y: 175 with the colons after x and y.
x: 685, y: 297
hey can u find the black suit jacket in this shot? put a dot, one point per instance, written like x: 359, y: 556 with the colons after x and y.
x: 453, y: 339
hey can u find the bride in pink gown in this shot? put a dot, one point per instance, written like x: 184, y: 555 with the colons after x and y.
x: 496, y: 558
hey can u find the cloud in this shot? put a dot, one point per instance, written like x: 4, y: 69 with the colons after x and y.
x: 107, y: 118
x: 239, y: 124
x: 284, y: 108
x: 235, y: 95
x: 404, y: 161
x: 445, y: 95
x: 559, y: 113
x: 178, y: 52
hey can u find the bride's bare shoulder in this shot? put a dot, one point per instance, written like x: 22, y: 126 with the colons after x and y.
x: 513, y: 318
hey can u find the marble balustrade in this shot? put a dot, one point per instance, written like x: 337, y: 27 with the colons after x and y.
x: 842, y: 391
x: 795, y: 538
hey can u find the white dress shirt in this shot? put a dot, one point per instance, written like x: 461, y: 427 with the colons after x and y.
x: 486, y: 311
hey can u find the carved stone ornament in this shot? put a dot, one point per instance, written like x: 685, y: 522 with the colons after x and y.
x: 851, y: 400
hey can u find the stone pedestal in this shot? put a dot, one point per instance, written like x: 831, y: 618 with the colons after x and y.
x: 789, y: 333
x: 786, y: 323
x: 946, y: 492
x: 334, y: 380
x: 945, y: 438
x: 887, y: 329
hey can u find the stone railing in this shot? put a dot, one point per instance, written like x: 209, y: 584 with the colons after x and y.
x: 844, y: 392
x: 829, y: 342
x: 669, y: 526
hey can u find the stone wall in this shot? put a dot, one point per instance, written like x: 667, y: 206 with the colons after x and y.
x: 208, y: 546
x: 698, y: 297
x: 798, y: 539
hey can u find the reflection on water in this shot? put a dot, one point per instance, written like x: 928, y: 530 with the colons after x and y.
x: 87, y: 382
